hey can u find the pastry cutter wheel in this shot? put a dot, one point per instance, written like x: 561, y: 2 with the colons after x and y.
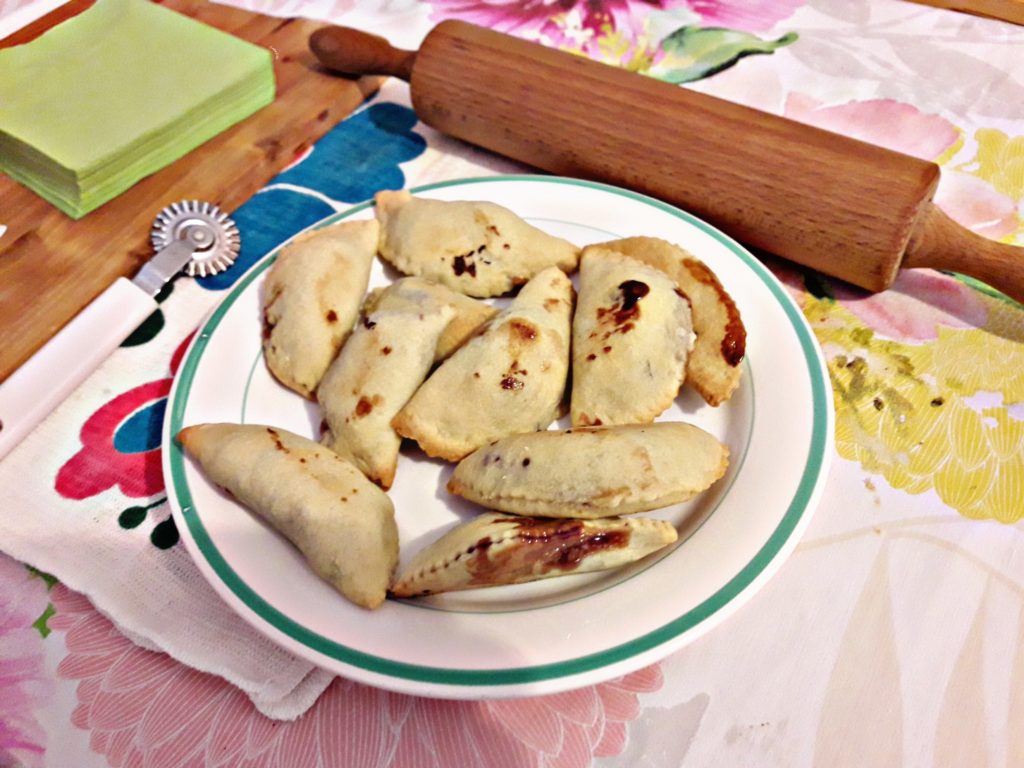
x: 189, y: 236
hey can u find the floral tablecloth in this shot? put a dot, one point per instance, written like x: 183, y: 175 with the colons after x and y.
x: 894, y: 635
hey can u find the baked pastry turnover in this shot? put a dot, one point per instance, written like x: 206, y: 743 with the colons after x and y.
x: 311, y: 300
x: 476, y: 248
x: 416, y: 293
x: 631, y: 334
x: 713, y: 367
x: 342, y: 523
x: 494, y: 549
x: 382, y: 364
x: 506, y: 380
x: 592, y: 472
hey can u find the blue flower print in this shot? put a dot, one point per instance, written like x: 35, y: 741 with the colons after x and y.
x: 359, y: 157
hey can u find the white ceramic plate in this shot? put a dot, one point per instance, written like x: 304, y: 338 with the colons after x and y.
x: 559, y: 633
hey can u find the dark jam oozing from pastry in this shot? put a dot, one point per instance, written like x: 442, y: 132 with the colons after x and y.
x: 623, y: 314
x: 632, y: 292
x: 464, y: 264
x: 735, y: 341
x: 268, y: 326
x: 543, y: 545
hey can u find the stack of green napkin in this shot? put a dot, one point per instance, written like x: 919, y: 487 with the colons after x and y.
x: 115, y: 94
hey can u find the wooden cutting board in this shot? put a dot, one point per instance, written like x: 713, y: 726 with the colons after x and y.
x: 1006, y: 10
x: 51, y: 266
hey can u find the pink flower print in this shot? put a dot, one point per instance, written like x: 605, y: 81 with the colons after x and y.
x: 566, y: 730
x: 916, y: 305
x: 883, y: 122
x: 121, y: 443
x: 531, y: 18
x: 133, y: 463
x: 24, y: 686
x: 287, y: 8
x: 976, y: 204
x: 179, y: 352
x: 144, y: 708
x: 749, y: 16
x: 620, y: 25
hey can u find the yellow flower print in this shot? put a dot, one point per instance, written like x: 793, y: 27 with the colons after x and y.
x: 911, y: 412
x: 1007, y: 320
x: 999, y: 161
x: 632, y: 53
x: 977, y: 361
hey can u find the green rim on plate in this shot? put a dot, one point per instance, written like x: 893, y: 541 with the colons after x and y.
x: 798, y: 507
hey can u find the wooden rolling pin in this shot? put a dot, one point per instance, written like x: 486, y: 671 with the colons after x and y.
x: 841, y: 206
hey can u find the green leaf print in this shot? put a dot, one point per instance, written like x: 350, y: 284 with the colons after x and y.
x: 40, y: 624
x: 692, y: 53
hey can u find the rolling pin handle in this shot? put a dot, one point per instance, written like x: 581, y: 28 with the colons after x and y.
x: 940, y: 243
x: 355, y: 53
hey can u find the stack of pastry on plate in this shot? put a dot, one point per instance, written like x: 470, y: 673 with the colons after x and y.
x: 425, y: 359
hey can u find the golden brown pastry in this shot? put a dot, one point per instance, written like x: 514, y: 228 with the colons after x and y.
x: 383, y: 362
x: 426, y: 296
x: 342, y: 523
x: 509, y: 379
x: 311, y: 299
x: 631, y: 334
x: 590, y: 472
x: 495, y: 549
x: 476, y: 248
x: 713, y: 367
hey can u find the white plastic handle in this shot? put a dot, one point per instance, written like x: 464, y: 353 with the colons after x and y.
x: 51, y: 374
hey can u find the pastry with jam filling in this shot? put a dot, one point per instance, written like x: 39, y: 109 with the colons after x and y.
x: 494, y: 549
x: 631, y: 335
x: 713, y: 366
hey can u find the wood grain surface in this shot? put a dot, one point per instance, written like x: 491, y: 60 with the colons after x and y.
x: 51, y: 265
x: 938, y: 242
x: 1005, y: 10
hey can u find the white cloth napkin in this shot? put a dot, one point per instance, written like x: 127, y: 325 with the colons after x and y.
x: 156, y: 596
